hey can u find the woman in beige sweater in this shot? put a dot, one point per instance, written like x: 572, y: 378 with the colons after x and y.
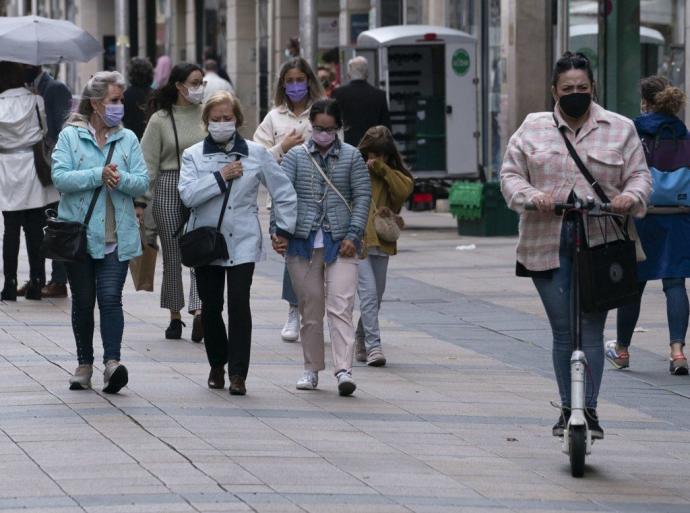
x: 175, y: 125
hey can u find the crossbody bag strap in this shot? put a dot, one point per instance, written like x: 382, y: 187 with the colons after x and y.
x: 325, y: 177
x: 590, y: 179
x: 177, y: 142
x: 225, y: 201
x: 222, y: 211
x: 583, y: 169
x: 40, y: 121
x: 94, y: 197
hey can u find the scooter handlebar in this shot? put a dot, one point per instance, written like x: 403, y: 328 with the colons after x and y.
x: 588, y: 205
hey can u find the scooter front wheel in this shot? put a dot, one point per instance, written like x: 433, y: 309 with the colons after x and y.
x: 578, y: 450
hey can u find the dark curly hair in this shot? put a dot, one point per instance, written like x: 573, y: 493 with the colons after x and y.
x: 165, y: 97
x: 140, y: 72
x: 11, y: 75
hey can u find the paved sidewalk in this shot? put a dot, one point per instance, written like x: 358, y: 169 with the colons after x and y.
x: 459, y: 420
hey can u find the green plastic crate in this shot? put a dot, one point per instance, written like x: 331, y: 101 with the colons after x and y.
x: 494, y: 217
x: 465, y: 200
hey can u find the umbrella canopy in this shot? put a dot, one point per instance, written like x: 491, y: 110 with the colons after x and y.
x: 37, y: 40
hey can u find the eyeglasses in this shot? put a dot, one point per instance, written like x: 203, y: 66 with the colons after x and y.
x: 328, y: 130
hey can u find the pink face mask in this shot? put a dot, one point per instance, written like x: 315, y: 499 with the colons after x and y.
x: 323, y: 138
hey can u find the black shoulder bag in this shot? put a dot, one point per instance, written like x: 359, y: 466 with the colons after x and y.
x: 608, y: 272
x: 65, y: 241
x: 42, y: 157
x: 203, y: 245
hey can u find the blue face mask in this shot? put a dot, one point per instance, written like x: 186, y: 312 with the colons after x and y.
x: 113, y: 114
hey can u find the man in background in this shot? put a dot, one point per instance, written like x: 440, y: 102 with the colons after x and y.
x: 362, y: 104
x: 213, y: 82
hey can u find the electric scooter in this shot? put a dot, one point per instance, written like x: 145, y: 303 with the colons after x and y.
x: 577, y: 437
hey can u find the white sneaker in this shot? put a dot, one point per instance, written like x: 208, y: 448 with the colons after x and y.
x: 81, y: 379
x: 290, y: 332
x: 346, y: 385
x: 309, y: 381
x: 114, y: 377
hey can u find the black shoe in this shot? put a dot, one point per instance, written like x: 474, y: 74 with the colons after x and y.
x: 174, y: 331
x: 9, y: 291
x: 237, y: 386
x: 216, y: 378
x: 33, y: 289
x: 197, y: 329
x: 593, y: 424
x: 559, y: 427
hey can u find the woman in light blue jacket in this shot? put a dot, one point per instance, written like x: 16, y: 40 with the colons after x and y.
x: 222, y: 161
x: 79, y: 172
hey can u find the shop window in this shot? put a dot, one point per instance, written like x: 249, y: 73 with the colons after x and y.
x: 662, y: 40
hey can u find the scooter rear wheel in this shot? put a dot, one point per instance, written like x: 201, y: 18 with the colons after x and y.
x: 578, y: 450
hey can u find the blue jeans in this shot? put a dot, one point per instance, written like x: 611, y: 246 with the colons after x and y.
x: 289, y: 293
x: 555, y: 293
x: 102, y: 280
x: 677, y: 312
x: 370, y: 288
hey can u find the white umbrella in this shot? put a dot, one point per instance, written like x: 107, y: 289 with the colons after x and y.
x: 36, y: 40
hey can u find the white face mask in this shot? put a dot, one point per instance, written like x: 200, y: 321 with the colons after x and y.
x: 195, y: 95
x: 221, y: 131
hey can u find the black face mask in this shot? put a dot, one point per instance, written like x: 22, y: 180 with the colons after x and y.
x: 576, y: 104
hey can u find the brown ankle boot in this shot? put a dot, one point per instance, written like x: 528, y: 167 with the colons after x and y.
x: 237, y: 386
x: 216, y: 378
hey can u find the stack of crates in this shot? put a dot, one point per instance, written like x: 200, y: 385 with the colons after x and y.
x: 481, y: 210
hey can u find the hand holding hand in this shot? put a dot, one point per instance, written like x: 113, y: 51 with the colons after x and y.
x: 232, y: 171
x: 280, y: 244
x: 347, y: 248
x: 622, y: 204
x: 291, y: 140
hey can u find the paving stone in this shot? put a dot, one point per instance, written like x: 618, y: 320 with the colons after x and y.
x: 458, y: 421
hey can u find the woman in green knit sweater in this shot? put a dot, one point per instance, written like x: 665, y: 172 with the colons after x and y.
x: 174, y: 125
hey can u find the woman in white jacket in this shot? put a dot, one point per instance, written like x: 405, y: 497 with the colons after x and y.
x: 286, y: 126
x: 22, y: 197
x: 222, y: 161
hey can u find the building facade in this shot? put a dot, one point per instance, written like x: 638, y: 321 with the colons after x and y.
x: 518, y: 42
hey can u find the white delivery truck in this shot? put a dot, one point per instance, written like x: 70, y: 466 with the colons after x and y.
x: 429, y: 74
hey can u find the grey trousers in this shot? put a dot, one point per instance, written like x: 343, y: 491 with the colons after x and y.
x: 370, y: 287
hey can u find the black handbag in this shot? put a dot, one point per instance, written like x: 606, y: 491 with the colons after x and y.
x: 65, y: 241
x: 608, y: 276
x: 203, y: 245
x: 607, y: 273
x: 42, y: 157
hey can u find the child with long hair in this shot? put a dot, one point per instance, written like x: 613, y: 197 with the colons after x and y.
x: 391, y: 184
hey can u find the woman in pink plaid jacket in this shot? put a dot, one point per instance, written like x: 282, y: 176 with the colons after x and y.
x: 538, y: 169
